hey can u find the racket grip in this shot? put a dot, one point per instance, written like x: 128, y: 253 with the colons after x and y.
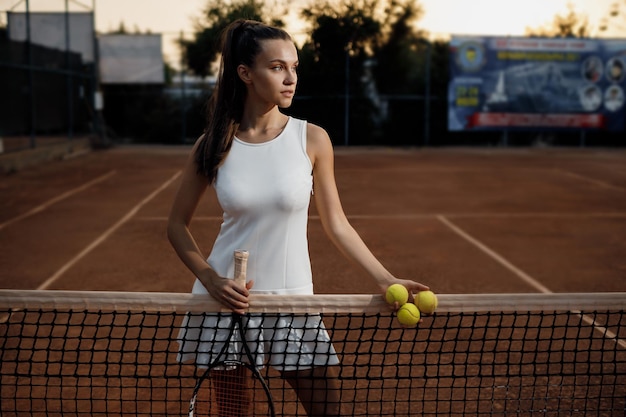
x: 241, y: 264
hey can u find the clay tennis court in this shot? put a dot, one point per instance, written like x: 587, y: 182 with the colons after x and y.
x: 459, y: 220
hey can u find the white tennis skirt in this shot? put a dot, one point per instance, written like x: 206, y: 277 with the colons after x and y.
x: 287, y: 342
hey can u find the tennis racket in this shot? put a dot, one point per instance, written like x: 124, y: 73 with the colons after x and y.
x: 233, y: 387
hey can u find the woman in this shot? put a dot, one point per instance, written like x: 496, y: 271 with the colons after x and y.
x: 264, y: 167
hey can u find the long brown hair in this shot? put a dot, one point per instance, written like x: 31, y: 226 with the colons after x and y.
x: 240, y: 44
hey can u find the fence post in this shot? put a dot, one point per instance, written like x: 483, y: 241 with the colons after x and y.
x: 427, y: 94
x: 68, y: 79
x: 346, y: 121
x: 31, y: 81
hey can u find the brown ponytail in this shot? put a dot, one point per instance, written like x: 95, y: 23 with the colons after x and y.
x: 240, y: 44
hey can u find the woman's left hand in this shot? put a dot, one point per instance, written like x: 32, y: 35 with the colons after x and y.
x: 412, y: 286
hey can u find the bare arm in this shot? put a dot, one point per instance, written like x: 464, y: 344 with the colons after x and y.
x: 334, y: 220
x: 191, y: 189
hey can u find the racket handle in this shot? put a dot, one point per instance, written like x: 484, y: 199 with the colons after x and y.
x: 241, y: 264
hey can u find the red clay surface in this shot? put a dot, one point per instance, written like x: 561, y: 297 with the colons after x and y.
x: 459, y: 220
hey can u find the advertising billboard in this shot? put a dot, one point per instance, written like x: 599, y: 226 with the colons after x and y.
x: 131, y: 59
x: 536, y: 83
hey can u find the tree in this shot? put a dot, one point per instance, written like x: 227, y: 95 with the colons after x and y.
x: 401, y: 51
x: 341, y: 33
x: 570, y: 25
x: 122, y: 30
x: 202, y: 51
x: 358, y: 50
x: 615, y: 21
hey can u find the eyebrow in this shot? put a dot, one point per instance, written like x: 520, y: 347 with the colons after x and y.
x: 281, y: 61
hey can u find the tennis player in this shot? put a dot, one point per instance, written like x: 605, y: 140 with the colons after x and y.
x: 264, y: 166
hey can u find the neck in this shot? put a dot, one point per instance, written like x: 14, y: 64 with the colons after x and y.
x: 262, y: 120
x: 261, y: 127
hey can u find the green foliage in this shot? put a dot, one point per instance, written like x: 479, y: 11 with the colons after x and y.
x: 570, y: 25
x: 369, y: 50
x: 373, y: 48
x: 335, y: 41
x: 203, y: 50
x: 121, y: 29
x: 401, y: 55
x: 366, y: 29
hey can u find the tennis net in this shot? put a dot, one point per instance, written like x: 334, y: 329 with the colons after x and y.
x: 66, y: 353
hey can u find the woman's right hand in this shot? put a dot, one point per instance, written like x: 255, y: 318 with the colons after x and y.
x: 229, y: 292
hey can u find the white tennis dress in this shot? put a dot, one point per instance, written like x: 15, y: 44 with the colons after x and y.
x: 264, y: 190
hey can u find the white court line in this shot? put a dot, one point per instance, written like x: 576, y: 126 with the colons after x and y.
x: 413, y: 216
x: 497, y: 257
x: 489, y: 215
x: 608, y: 334
x: 603, y: 330
x: 56, y: 199
x: 47, y: 283
x: 316, y: 217
x: 591, y: 180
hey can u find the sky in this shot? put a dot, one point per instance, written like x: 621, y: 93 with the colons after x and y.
x: 493, y: 17
x: 441, y: 17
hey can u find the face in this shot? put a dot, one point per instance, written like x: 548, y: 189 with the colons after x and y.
x: 616, y: 72
x: 273, y: 77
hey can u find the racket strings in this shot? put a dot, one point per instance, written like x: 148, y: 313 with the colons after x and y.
x: 233, y: 391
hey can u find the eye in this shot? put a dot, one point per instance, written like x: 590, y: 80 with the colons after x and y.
x: 277, y: 68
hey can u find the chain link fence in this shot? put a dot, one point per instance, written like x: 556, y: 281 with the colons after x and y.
x: 49, y: 97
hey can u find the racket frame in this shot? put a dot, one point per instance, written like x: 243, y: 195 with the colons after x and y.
x: 241, y: 260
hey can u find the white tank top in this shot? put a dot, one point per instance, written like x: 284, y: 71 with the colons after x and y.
x: 264, y: 190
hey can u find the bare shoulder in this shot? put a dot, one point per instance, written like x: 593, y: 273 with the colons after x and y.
x: 316, y: 133
x: 319, y: 145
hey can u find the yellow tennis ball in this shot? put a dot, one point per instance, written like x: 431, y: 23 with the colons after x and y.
x: 397, y: 293
x: 408, y: 314
x: 426, y: 301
